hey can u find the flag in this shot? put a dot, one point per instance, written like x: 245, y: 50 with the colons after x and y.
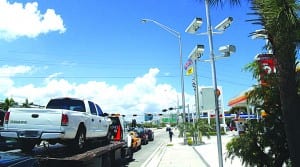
x: 190, y: 70
x: 188, y: 63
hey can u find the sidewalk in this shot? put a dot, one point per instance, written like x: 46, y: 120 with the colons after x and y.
x: 176, y: 154
x: 209, y: 151
x: 179, y: 155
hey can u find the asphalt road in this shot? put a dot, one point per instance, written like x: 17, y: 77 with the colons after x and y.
x: 144, y: 155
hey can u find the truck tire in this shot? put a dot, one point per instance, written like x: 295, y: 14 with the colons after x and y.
x: 27, y: 145
x: 79, y: 142
x: 108, y: 138
x: 130, y: 155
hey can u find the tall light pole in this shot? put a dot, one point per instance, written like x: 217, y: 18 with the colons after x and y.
x: 193, y: 27
x: 178, y: 36
x: 214, y: 80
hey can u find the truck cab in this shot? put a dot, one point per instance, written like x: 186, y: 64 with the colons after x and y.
x: 120, y: 133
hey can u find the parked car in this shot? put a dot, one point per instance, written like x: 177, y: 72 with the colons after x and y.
x: 150, y: 134
x: 17, y: 160
x: 136, y: 142
x: 142, y: 134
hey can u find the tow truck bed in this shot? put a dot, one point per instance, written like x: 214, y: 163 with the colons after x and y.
x: 98, y: 156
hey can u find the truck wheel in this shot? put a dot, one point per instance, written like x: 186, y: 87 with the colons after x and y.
x: 79, y: 141
x: 130, y: 154
x: 27, y: 145
x: 108, y: 137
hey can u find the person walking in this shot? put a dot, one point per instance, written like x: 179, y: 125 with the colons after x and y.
x: 170, y: 134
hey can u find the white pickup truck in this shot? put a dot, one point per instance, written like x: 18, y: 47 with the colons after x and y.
x: 67, y: 121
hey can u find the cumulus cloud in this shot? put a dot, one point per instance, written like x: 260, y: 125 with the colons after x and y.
x: 18, y: 20
x: 6, y: 72
x: 142, y: 95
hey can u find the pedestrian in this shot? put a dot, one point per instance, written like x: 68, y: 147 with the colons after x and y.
x: 170, y: 134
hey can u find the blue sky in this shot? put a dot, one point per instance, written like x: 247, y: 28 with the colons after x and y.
x: 101, y: 51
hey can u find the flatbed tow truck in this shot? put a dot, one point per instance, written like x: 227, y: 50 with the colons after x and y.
x: 96, y: 154
x: 58, y: 155
x: 108, y: 155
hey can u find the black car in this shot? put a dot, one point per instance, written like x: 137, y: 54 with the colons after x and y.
x: 150, y: 134
x: 142, y: 134
x: 17, y: 160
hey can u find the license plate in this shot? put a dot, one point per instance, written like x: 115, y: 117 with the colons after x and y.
x: 31, y: 134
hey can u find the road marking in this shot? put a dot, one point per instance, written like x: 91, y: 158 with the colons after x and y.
x: 156, y: 156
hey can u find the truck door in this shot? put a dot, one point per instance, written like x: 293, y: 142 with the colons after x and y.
x: 94, y: 121
x: 103, y: 126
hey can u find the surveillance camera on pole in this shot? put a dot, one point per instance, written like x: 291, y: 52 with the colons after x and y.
x: 224, y: 24
x: 194, y: 26
x: 227, y: 50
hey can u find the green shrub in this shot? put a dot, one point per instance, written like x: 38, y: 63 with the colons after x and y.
x: 189, y: 141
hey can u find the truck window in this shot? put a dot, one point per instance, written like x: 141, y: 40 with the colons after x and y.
x: 66, y: 103
x: 100, y: 113
x: 92, y: 108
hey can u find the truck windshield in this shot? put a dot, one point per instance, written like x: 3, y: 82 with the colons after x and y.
x: 68, y: 104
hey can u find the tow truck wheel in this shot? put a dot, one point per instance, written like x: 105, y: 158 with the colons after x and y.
x: 130, y: 154
x: 108, y: 137
x: 27, y: 145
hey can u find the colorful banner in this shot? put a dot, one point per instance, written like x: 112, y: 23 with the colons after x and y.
x: 190, y: 70
x: 188, y: 64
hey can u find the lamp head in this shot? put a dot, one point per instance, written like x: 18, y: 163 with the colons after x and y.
x: 224, y: 24
x: 196, y: 52
x: 145, y: 20
x: 262, y: 33
x: 194, y: 26
x: 227, y: 50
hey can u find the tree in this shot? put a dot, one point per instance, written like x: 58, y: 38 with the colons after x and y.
x: 26, y: 104
x: 281, y: 21
x: 198, y: 129
x: 8, y: 103
x: 264, y: 143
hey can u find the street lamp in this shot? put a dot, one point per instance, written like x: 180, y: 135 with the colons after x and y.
x: 220, y: 27
x: 178, y: 36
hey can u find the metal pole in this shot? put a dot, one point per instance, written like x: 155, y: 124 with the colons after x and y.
x: 176, y: 34
x: 182, y: 90
x: 214, y: 79
x: 197, y: 91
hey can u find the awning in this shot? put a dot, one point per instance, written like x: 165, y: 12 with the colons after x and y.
x: 238, y: 101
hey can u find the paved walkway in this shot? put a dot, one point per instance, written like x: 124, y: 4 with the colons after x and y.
x: 179, y: 155
x: 209, y: 151
x: 176, y: 154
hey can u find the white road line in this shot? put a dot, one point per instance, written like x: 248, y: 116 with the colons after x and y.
x: 155, y: 157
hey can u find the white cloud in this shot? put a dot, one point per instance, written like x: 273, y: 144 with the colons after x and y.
x: 17, y: 20
x: 9, y: 71
x: 6, y: 72
x: 143, y: 95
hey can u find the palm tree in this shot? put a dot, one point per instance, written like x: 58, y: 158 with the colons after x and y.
x: 281, y: 22
x: 26, y: 104
x: 8, y: 103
